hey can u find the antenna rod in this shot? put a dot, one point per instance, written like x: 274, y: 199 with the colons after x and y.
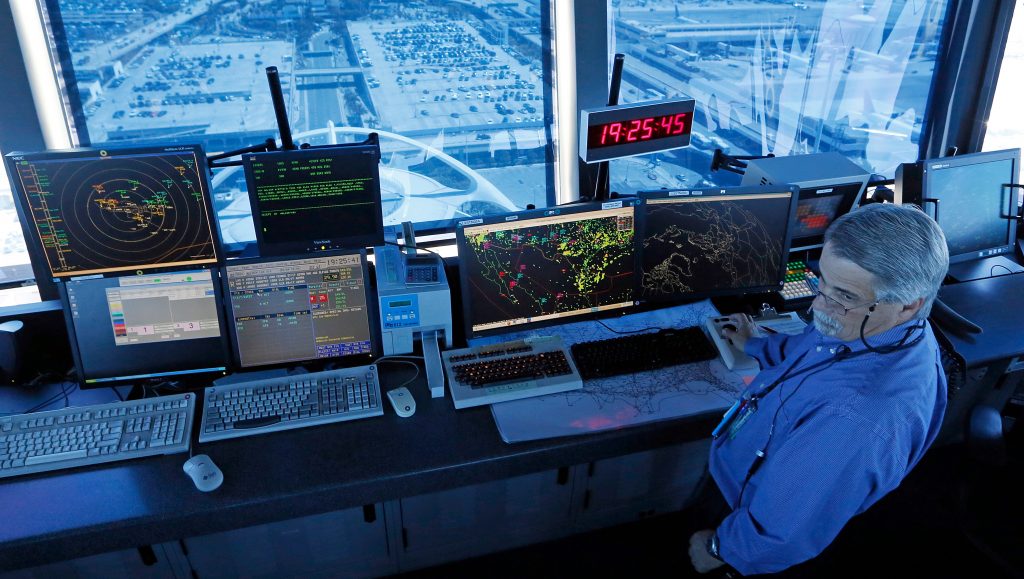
x: 279, y: 109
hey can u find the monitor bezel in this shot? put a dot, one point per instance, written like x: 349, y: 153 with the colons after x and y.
x: 641, y: 233
x: 525, y: 216
x: 313, y: 364
x: 192, y: 375
x: 37, y: 252
x: 965, y: 160
x: 341, y: 242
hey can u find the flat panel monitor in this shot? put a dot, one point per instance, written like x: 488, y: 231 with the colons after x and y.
x: 135, y: 327
x: 705, y: 242
x: 972, y: 203
x: 545, y: 266
x: 317, y: 199
x: 817, y: 208
x: 101, y: 211
x: 830, y: 186
x: 300, y: 310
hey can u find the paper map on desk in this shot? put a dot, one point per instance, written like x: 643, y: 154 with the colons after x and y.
x: 620, y: 401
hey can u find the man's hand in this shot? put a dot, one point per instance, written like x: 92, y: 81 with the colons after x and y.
x: 745, y: 329
x: 699, y: 556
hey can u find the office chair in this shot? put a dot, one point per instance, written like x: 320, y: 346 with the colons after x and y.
x: 989, y: 510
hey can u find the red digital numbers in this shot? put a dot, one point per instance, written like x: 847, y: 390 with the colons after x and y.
x: 680, y: 122
x: 639, y: 130
x: 634, y: 126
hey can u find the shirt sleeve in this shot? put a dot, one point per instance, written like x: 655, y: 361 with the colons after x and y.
x: 830, y: 467
x: 769, y: 350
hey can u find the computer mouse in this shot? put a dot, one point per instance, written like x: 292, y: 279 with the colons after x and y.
x: 205, y: 474
x: 402, y: 401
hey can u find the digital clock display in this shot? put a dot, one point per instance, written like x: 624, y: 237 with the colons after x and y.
x: 639, y: 130
x: 620, y: 131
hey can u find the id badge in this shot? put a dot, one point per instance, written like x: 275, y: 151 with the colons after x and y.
x: 744, y: 414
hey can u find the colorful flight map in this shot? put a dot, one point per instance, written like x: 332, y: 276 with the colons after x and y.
x: 549, y: 267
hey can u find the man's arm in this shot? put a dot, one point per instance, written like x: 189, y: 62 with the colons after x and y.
x: 702, y: 556
x: 809, y: 487
x: 741, y: 332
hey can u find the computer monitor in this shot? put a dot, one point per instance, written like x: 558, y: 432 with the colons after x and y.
x: 544, y: 266
x: 817, y: 208
x: 830, y: 186
x: 970, y: 198
x: 134, y: 327
x: 706, y: 242
x: 301, y: 310
x: 317, y: 199
x: 101, y: 211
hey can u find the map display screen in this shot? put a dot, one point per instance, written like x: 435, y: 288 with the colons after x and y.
x: 113, y: 210
x: 541, y: 266
x: 713, y: 241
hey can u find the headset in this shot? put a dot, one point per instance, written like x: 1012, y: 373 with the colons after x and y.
x: 844, y: 353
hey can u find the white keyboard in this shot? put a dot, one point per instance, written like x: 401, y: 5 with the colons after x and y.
x: 87, y: 435
x: 732, y: 357
x: 509, y: 371
x: 286, y: 402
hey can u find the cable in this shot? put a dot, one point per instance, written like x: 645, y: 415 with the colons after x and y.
x: 614, y: 331
x: 64, y: 393
x: 992, y: 270
x: 416, y: 247
x: 403, y: 360
x: 903, y: 343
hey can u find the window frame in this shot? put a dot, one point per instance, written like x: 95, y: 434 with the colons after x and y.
x: 80, y: 132
x: 975, y: 29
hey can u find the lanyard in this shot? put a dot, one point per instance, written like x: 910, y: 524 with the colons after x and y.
x: 748, y: 402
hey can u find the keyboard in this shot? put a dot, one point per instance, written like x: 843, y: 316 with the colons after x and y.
x: 509, y: 371
x: 88, y: 435
x: 642, y: 352
x: 799, y: 283
x: 286, y: 402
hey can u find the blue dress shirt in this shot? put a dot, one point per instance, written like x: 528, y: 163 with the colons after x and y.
x: 845, y: 426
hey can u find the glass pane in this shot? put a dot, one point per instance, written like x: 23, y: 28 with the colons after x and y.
x: 459, y: 94
x: 14, y: 261
x: 1005, y: 126
x: 779, y: 77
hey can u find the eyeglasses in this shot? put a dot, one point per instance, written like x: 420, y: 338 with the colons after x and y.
x: 838, y: 305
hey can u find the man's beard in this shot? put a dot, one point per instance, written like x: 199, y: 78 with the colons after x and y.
x: 827, y: 325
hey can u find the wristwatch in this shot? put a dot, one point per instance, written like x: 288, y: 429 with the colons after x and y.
x: 712, y: 546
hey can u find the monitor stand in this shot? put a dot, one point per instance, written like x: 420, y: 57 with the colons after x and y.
x: 983, y: 268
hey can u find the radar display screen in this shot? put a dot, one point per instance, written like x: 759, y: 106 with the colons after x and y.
x: 317, y: 199
x: 695, y: 243
x: 541, y: 266
x: 102, y: 211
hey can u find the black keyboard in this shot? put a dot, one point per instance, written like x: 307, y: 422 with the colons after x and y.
x: 641, y: 352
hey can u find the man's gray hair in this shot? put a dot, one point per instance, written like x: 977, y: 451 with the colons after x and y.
x: 901, y: 246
